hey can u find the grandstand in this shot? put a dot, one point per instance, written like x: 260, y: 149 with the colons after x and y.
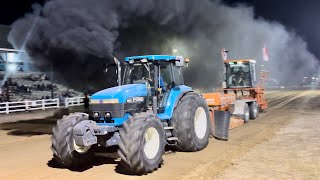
x: 33, y: 86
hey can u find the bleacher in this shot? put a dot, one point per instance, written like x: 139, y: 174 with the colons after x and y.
x: 34, y: 86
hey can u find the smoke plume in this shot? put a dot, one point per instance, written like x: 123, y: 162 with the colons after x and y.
x: 76, y: 37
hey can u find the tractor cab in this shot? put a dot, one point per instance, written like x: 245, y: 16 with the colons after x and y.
x: 240, y: 73
x: 159, y: 73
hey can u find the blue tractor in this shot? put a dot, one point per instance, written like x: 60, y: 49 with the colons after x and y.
x: 150, y: 109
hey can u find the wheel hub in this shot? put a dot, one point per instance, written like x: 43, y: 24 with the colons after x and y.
x: 152, y: 143
x: 80, y: 149
x: 200, y: 123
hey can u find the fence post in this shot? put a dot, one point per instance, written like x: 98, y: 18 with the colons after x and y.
x: 7, y: 107
x: 27, y: 103
x: 78, y: 99
x: 58, y: 103
x: 43, y: 105
x: 66, y: 102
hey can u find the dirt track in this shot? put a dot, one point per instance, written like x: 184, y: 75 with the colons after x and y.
x: 281, y: 144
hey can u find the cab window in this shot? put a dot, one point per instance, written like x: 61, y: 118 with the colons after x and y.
x: 177, y: 75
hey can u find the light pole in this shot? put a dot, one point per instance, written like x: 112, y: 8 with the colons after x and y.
x: 51, y: 74
x: 7, y: 91
x: 6, y: 80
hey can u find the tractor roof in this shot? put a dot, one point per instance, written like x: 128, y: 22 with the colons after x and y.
x: 152, y: 58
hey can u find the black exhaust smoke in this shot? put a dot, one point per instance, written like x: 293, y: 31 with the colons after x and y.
x: 77, y: 37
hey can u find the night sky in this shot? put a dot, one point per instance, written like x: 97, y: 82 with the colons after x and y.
x: 301, y: 16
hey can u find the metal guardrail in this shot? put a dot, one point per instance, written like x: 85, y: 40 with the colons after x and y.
x: 10, y: 107
x: 75, y: 101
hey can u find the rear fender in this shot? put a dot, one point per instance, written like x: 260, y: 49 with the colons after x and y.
x: 174, y: 97
x: 181, y: 96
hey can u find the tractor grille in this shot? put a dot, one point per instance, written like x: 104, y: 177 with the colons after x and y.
x: 116, y: 110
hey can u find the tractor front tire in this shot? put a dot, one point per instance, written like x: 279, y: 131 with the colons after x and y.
x: 142, y: 143
x: 191, y: 122
x: 65, y: 151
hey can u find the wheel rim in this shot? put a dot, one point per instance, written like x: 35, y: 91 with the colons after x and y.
x: 152, y: 143
x: 200, y: 123
x: 80, y: 149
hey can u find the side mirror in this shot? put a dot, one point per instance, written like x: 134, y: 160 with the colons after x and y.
x: 179, y: 61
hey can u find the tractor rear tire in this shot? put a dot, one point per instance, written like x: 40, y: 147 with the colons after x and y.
x: 254, y: 110
x: 246, y: 115
x: 142, y: 143
x: 191, y: 122
x: 65, y: 151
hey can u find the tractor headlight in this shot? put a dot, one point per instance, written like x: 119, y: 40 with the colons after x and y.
x: 135, y: 99
x: 107, y: 115
x: 96, y: 114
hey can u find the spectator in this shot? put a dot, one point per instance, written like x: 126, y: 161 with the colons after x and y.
x: 86, y: 102
x: 43, y: 87
x: 43, y: 77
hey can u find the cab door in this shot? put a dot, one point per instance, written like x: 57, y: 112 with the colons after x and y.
x: 165, y: 84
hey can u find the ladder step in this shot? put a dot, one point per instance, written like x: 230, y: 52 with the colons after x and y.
x: 167, y: 128
x: 172, y: 139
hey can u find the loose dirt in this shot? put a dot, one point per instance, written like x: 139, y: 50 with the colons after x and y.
x: 281, y: 144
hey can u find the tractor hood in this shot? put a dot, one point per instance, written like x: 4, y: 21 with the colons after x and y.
x: 122, y: 93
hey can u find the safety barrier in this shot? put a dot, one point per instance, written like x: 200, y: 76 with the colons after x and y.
x: 10, y: 107
x: 74, y: 101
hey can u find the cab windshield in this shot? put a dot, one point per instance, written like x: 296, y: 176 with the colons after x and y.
x: 238, y: 75
x: 138, y: 73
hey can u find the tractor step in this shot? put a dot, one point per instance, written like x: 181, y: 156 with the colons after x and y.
x: 172, y: 139
x: 168, y: 128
